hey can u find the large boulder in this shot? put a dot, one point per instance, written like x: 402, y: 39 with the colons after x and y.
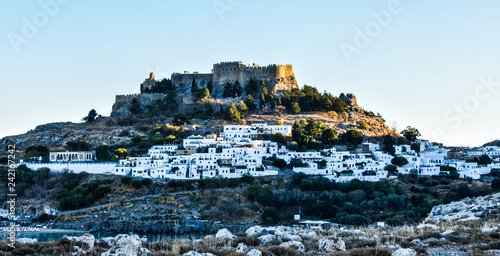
x: 125, y: 245
x: 294, y: 244
x: 87, y: 240
x: 405, y: 252
x: 269, y: 239
x: 254, y: 252
x: 291, y: 237
x: 309, y: 235
x: 283, y: 231
x: 254, y: 231
x: 225, y: 234
x: 350, y: 99
x: 489, y: 230
x: 241, y: 248
x: 465, y: 210
x: 427, y: 226
x: 330, y: 244
x: 193, y: 253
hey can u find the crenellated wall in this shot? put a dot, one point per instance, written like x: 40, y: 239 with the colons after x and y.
x: 182, y: 80
x: 278, y: 78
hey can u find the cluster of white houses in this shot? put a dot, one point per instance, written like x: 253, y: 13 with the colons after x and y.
x: 236, y: 151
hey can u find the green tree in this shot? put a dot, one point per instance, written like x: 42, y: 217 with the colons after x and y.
x: 297, y: 162
x: 247, y: 178
x: 415, y: 147
x: 280, y: 163
x: 278, y: 137
x: 411, y: 133
x: 237, y: 89
x: 298, y: 134
x: 252, y: 88
x: 194, y: 87
x: 242, y: 107
x: 484, y: 159
x: 352, y: 137
x: 102, y: 153
x: 136, y: 184
x: 392, y: 169
x: 329, y: 136
x: 388, y: 145
x: 34, y: 152
x: 134, y: 108
x: 295, y: 108
x: 91, y: 116
x: 210, y: 86
x: 228, y: 91
x: 205, y: 93
x: 364, y: 126
x: 495, y: 184
x: 232, y: 113
x: 263, y: 95
x: 250, y: 103
x: 399, y: 161
x: 270, y: 215
x: 180, y: 119
x: 314, y: 128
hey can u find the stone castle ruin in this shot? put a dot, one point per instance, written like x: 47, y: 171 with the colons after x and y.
x: 278, y: 78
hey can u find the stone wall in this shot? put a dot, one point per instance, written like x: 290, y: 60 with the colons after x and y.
x: 183, y: 80
x: 123, y: 102
x: 278, y: 77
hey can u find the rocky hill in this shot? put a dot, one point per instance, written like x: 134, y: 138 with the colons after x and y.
x: 116, y: 130
x: 108, y: 130
x: 56, y: 135
x: 492, y: 143
x: 468, y: 209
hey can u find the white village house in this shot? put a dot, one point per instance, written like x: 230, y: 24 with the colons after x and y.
x: 236, y: 151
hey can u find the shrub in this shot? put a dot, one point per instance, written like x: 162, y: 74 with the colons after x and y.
x: 146, y: 182
x: 495, y: 184
x: 370, y: 252
x: 399, y: 161
x: 247, y: 178
x: 444, y: 181
x: 270, y: 215
x: 126, y: 179
x: 280, y: 163
x: 136, y: 184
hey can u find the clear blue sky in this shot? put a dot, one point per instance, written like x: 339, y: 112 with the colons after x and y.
x: 417, y: 69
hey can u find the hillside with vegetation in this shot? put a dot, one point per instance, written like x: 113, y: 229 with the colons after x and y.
x: 338, y: 114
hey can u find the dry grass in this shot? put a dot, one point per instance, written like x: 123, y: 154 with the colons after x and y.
x: 370, y: 252
x: 278, y: 250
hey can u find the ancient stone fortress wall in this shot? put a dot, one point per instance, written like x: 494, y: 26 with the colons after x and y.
x: 123, y: 102
x: 186, y: 79
x: 278, y: 77
x: 140, y: 96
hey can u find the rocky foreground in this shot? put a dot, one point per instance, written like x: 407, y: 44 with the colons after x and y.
x: 467, y: 227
